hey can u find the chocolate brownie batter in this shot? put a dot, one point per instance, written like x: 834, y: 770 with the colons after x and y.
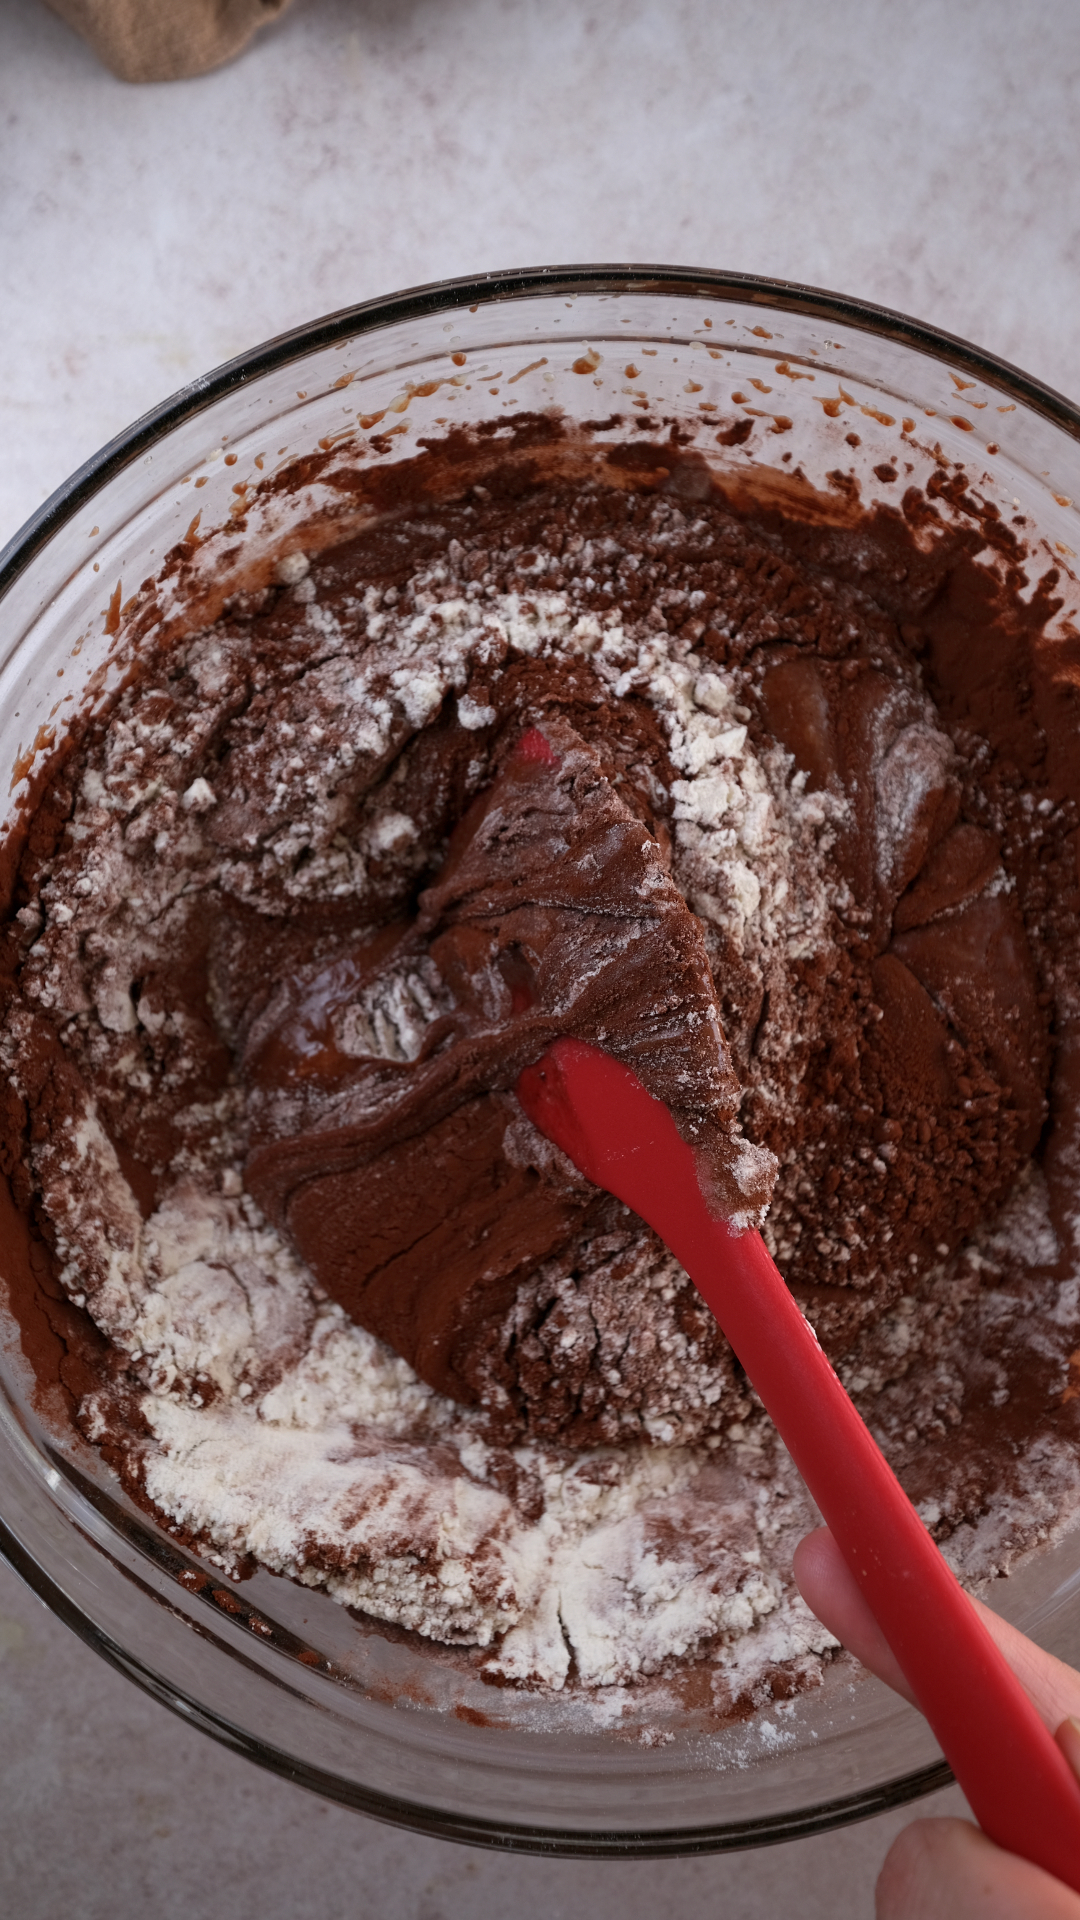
x: 553, y: 913
x: 764, y: 806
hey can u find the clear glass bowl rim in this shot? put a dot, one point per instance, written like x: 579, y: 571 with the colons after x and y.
x: 785, y: 296
x: 435, y: 297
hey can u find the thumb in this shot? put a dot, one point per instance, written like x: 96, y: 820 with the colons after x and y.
x: 830, y: 1590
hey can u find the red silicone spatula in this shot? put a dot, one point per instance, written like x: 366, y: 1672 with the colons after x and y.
x: 1017, y: 1781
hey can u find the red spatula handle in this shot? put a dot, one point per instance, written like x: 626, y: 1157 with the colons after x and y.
x: 1017, y: 1781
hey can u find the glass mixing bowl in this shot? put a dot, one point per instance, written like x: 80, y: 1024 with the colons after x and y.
x: 759, y: 375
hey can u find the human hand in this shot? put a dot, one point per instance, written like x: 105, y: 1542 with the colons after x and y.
x: 948, y: 1869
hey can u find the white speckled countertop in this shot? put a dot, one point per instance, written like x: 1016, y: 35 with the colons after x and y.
x: 920, y: 153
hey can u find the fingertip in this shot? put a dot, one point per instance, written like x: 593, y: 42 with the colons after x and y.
x: 816, y: 1560
x: 949, y: 1870
x: 831, y: 1591
x: 925, y: 1871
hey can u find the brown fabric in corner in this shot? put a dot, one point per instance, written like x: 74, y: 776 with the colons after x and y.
x: 166, y: 39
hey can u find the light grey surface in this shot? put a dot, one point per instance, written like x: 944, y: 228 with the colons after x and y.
x: 111, y: 1809
x: 921, y: 153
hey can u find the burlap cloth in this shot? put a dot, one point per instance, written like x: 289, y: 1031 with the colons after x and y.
x: 166, y: 39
